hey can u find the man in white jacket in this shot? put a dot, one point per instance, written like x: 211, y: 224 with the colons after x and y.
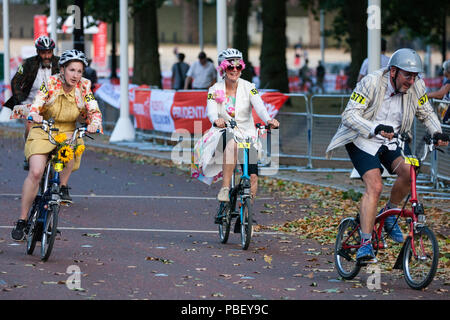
x: 382, y: 103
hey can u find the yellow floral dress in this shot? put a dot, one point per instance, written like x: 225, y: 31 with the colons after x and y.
x: 65, y: 113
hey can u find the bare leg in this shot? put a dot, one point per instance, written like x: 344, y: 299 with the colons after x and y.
x: 31, y: 183
x: 369, y: 201
x: 229, y: 162
x: 402, y: 184
x: 65, y: 174
x: 254, y: 185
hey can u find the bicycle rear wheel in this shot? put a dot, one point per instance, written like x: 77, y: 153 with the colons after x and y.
x: 224, y: 215
x: 246, y: 224
x: 49, y: 232
x: 33, y: 226
x: 347, y: 243
x: 420, y: 258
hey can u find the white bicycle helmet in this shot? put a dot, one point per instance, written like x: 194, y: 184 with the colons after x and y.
x: 229, y: 54
x: 44, y: 43
x: 72, y: 55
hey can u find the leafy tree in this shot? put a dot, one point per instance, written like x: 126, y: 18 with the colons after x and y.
x: 421, y: 19
x: 147, y: 69
x: 240, y: 32
x: 273, y: 49
x: 348, y: 28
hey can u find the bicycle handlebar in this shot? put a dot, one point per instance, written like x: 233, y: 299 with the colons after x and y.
x: 429, y: 146
x: 47, y: 126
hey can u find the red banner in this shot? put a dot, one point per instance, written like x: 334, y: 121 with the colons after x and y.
x: 100, y: 40
x: 168, y: 111
x: 40, y: 26
x: 189, y: 107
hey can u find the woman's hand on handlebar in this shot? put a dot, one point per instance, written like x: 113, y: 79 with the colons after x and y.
x: 37, y: 118
x: 220, y: 123
x: 273, y: 123
x: 93, y: 128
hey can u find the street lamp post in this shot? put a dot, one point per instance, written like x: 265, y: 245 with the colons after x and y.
x: 124, y: 129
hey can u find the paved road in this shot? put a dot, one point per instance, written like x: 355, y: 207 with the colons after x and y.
x: 141, y: 231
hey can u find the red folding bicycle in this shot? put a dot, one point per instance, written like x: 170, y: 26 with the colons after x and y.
x: 420, y: 252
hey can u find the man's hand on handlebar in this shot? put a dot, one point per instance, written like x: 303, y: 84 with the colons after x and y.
x: 441, y: 139
x: 385, y: 131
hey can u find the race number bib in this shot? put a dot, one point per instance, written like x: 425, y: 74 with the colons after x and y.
x: 423, y: 99
x: 358, y: 98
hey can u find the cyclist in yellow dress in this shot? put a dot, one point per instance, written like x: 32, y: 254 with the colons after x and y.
x: 66, y: 98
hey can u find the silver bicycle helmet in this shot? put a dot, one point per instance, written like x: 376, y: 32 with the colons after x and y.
x: 72, y: 55
x: 407, y: 60
x: 446, y: 66
x: 44, y: 43
x: 229, y: 54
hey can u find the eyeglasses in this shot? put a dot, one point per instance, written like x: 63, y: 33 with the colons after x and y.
x: 408, y: 76
x: 232, y: 67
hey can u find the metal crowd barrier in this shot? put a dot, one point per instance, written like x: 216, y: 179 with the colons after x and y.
x: 306, y: 132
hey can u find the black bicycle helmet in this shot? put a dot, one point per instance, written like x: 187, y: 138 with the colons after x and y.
x: 44, y: 43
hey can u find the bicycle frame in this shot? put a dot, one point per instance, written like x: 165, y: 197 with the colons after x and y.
x: 414, y: 217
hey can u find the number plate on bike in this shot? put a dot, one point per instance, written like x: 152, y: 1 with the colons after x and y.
x: 244, y: 145
x: 58, y: 166
x: 412, y: 161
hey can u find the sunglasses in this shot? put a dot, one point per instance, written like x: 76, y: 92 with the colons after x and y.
x: 409, y: 76
x: 231, y: 67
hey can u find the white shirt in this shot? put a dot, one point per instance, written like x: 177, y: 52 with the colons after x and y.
x: 42, y: 76
x: 390, y: 114
x: 203, y: 75
x: 384, y: 60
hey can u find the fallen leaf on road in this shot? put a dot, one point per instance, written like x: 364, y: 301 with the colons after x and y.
x: 217, y: 294
x: 165, y: 261
x: 268, y: 259
x: 92, y: 235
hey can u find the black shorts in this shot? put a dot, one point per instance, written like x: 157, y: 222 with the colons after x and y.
x: 253, y: 155
x: 363, y: 161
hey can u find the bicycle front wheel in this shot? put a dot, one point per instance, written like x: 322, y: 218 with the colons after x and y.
x: 246, y: 224
x: 224, y: 216
x: 347, y: 243
x: 33, y: 227
x: 420, y: 259
x: 49, y: 232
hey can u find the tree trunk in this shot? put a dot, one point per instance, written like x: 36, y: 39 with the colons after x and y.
x: 273, y: 49
x: 240, y: 33
x: 190, y: 21
x: 78, y: 33
x: 355, y: 14
x: 147, y: 69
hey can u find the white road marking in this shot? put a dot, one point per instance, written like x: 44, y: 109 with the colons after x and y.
x: 144, y: 230
x: 130, y: 197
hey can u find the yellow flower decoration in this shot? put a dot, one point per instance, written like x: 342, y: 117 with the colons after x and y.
x: 60, y: 138
x: 79, y: 151
x: 65, y: 154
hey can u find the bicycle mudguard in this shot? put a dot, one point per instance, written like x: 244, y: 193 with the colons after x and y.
x: 399, y: 263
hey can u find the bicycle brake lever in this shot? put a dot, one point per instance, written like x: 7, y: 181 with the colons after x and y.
x: 439, y: 149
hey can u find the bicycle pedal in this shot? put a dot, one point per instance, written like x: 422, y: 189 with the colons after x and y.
x: 366, y: 262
